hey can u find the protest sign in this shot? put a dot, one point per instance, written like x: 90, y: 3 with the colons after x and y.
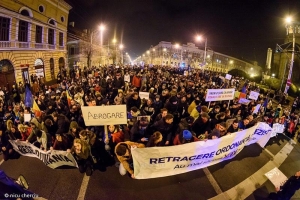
x: 228, y: 77
x: 257, y: 107
x: 253, y: 95
x: 276, y: 177
x: 157, y: 162
x: 277, y: 128
x: 244, y: 101
x: 219, y: 94
x: 144, y: 95
x: 52, y: 159
x: 104, y: 115
x: 27, y: 117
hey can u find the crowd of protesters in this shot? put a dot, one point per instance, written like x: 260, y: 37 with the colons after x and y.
x: 175, y: 113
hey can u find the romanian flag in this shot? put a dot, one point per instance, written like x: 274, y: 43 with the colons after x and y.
x: 69, y: 98
x: 36, y: 109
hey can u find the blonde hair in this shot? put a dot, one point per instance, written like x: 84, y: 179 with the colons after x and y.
x: 22, y: 128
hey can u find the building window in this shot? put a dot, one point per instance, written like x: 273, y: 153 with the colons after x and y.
x: 61, y: 39
x: 25, y: 13
x: 41, y: 8
x: 72, y: 51
x: 38, y: 34
x: 51, y: 36
x: 62, y: 18
x: 52, y: 22
x: 4, y: 29
x: 23, y: 31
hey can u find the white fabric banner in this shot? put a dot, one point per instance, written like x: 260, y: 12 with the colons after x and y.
x: 157, y: 162
x: 219, y: 94
x: 52, y: 159
x: 104, y: 115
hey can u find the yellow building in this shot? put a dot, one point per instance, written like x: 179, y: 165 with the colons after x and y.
x: 33, y: 35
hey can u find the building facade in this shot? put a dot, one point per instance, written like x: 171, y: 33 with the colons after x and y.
x: 83, y: 52
x: 166, y: 53
x: 33, y: 35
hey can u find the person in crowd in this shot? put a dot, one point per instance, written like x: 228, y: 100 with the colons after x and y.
x: 123, y: 153
x: 214, y: 112
x: 155, y: 140
x: 243, y: 124
x: 288, y: 189
x: 185, y: 124
x: 202, y: 125
x: 184, y: 137
x: 62, y: 123
x: 234, y: 127
x: 138, y: 131
x: 24, y: 131
x: 133, y: 101
x: 61, y: 143
x: 82, y: 153
x: 5, y: 146
x: 218, y: 131
x: 119, y: 99
x: 164, y: 126
x: 132, y: 116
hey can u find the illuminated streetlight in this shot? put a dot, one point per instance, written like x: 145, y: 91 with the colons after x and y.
x: 176, y: 46
x: 121, y: 46
x: 231, y: 62
x: 273, y: 75
x: 164, y: 49
x: 148, y: 52
x: 114, y: 40
x: 200, y: 38
x: 101, y: 27
x: 288, y: 20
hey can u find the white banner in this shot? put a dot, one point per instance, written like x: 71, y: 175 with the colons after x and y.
x: 244, y: 101
x: 144, y: 95
x: 157, y: 162
x: 104, y: 115
x: 219, y: 94
x: 276, y: 177
x: 52, y: 159
x: 277, y: 128
x: 253, y: 95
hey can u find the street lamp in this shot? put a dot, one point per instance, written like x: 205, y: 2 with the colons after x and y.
x: 121, y: 49
x: 291, y: 26
x: 200, y: 38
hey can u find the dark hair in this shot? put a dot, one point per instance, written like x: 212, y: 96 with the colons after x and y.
x: 38, y: 133
x: 121, y: 149
x: 235, y: 121
x: 169, y: 116
x: 163, y: 109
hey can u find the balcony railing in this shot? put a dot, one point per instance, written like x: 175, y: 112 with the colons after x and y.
x: 51, y: 46
x: 23, y: 44
x: 5, y: 44
x: 39, y: 46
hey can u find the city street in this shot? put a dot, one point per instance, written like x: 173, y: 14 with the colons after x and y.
x: 238, y: 178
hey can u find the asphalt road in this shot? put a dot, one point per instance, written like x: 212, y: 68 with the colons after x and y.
x: 69, y: 184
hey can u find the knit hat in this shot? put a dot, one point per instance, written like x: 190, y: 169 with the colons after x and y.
x: 187, y: 135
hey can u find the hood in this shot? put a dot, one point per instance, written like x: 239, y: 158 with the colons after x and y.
x: 35, y: 122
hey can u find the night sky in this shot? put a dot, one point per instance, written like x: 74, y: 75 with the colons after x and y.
x: 240, y: 28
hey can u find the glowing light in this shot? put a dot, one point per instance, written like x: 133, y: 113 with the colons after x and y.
x: 114, y: 40
x: 288, y: 20
x: 101, y: 27
x: 273, y: 75
x: 198, y: 37
x: 231, y: 62
x: 164, y: 49
x: 176, y: 46
x: 121, y: 46
x: 252, y: 75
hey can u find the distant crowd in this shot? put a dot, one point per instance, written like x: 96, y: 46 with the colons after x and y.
x: 175, y: 113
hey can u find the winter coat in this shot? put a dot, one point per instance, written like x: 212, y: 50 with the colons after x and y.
x: 164, y: 128
x: 179, y: 139
x: 136, y: 82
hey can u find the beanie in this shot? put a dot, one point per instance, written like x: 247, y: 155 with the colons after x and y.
x: 186, y: 134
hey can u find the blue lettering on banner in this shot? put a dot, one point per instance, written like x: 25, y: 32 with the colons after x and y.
x: 261, y: 132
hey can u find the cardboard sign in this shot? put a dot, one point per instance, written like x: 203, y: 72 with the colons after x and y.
x: 144, y: 95
x: 276, y: 177
x: 219, y: 94
x: 104, y: 115
x: 27, y: 117
x: 228, y: 77
x: 253, y: 95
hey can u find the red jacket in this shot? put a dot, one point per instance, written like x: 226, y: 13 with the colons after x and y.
x: 136, y: 81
